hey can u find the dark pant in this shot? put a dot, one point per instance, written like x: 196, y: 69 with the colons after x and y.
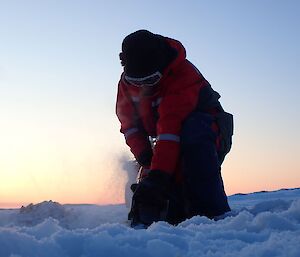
x: 203, y: 184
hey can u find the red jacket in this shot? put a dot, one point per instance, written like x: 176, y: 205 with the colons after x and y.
x: 162, y: 114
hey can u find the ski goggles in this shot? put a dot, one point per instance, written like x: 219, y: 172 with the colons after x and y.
x: 147, y: 81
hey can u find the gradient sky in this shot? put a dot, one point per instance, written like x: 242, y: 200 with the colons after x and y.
x: 59, y: 68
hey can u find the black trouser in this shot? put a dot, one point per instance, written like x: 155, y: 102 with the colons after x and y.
x: 203, y: 185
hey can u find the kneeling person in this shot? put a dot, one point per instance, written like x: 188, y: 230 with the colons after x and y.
x: 162, y: 95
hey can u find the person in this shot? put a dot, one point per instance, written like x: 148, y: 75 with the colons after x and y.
x: 162, y: 96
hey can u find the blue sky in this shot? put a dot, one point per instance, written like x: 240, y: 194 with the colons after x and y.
x: 58, y: 73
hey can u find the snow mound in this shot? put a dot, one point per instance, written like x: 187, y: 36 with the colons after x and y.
x: 67, y: 216
x: 266, y: 229
x: 35, y: 214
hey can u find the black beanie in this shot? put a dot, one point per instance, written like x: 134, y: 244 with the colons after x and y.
x: 144, y: 53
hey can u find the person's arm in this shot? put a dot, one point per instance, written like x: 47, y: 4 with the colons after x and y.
x: 134, y: 135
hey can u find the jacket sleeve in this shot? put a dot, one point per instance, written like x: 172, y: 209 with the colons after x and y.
x: 131, y: 127
x: 178, y: 103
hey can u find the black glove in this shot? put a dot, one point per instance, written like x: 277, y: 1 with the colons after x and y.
x: 144, y: 159
x: 153, y: 188
x: 150, y: 198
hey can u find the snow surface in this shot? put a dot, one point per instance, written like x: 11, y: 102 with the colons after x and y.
x: 261, y: 224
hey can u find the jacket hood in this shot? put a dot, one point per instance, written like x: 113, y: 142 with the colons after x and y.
x: 180, y: 56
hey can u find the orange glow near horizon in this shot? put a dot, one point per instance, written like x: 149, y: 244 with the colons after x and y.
x: 74, y: 168
x: 98, y: 178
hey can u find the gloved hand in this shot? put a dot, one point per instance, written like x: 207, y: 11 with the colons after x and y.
x: 144, y: 158
x: 150, y: 198
x: 153, y: 187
